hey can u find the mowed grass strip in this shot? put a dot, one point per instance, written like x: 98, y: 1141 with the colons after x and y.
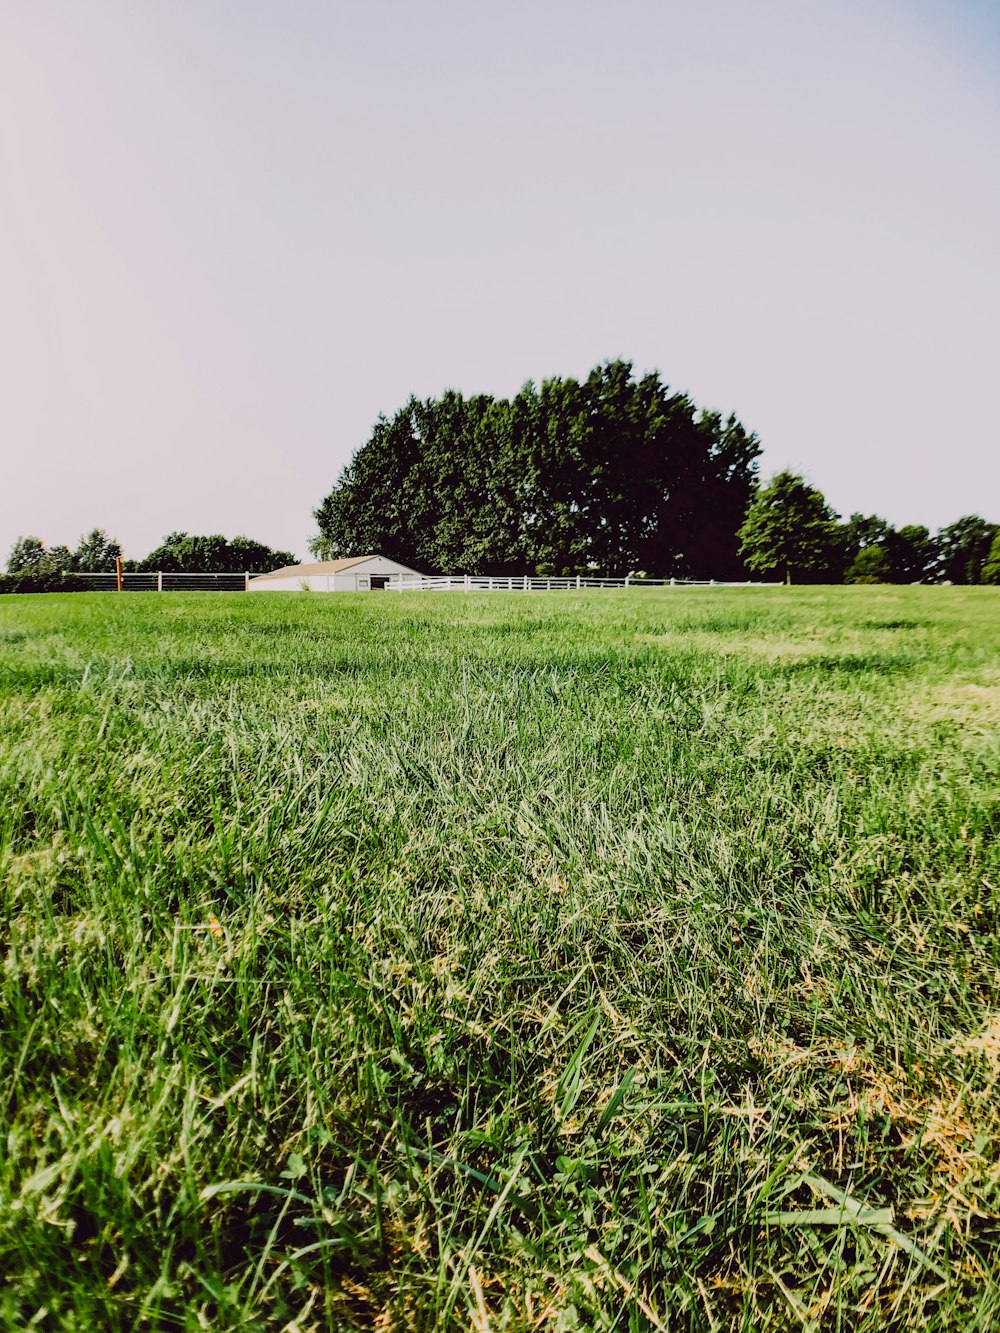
x: 618, y: 961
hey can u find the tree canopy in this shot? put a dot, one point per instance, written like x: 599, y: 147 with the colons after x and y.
x: 876, y: 552
x: 26, y: 553
x: 964, y: 547
x: 614, y: 473
x: 96, y: 553
x: 182, y: 553
x: 30, y: 555
x: 991, y: 570
x: 791, y: 531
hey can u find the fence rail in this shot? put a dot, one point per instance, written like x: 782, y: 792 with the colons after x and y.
x: 167, y: 581
x: 525, y: 583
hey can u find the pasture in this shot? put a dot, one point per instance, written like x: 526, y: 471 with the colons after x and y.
x: 622, y: 960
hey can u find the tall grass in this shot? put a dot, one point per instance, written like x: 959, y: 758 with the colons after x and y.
x: 613, y: 961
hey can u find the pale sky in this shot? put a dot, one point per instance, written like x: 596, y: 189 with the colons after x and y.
x: 234, y: 232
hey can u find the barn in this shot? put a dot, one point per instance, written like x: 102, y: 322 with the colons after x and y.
x: 360, y: 573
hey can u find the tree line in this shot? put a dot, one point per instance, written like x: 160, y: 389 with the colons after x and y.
x: 615, y: 474
x: 790, y: 532
x: 34, y: 567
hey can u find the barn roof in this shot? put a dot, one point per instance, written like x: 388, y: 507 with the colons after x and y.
x: 321, y: 567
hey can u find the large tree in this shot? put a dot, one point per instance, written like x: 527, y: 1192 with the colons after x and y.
x: 613, y: 473
x: 791, y: 531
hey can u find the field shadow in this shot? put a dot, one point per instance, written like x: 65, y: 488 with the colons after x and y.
x: 853, y: 664
x: 893, y: 624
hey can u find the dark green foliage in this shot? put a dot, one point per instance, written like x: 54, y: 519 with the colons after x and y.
x: 613, y: 474
x: 96, y: 553
x: 863, y: 543
x: 911, y: 554
x: 26, y: 553
x: 30, y: 554
x: 181, y: 553
x: 991, y: 570
x: 875, y: 552
x: 863, y: 530
x: 963, y: 549
x: 42, y: 579
x: 34, y: 567
x: 791, y: 531
x: 870, y: 565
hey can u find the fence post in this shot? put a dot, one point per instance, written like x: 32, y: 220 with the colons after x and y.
x: 159, y: 580
x: 525, y: 583
x: 673, y: 582
x: 578, y: 582
x: 246, y: 580
x: 118, y: 572
x: 467, y: 584
x: 627, y: 577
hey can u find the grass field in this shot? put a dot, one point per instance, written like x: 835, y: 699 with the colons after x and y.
x: 619, y: 961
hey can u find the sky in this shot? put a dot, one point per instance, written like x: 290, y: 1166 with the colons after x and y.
x: 235, y: 232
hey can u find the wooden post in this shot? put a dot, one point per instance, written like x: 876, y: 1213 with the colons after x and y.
x: 118, y: 571
x: 159, y: 581
x: 246, y: 580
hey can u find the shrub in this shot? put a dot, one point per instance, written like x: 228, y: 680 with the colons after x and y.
x: 34, y: 580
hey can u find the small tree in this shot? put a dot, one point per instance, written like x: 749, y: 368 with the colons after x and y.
x: 26, y: 553
x: 870, y: 565
x: 96, y: 553
x: 790, y: 530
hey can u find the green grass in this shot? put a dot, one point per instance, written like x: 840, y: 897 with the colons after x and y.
x: 624, y: 961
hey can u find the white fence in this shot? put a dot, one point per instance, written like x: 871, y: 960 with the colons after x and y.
x: 523, y: 583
